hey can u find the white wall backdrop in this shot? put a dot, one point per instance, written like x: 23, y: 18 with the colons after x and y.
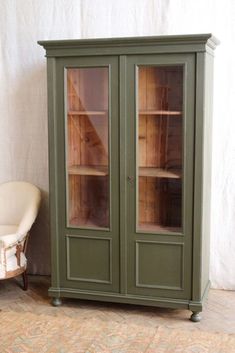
x: 23, y: 103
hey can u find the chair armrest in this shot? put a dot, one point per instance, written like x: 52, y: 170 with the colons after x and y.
x: 28, y: 218
x: 11, y: 240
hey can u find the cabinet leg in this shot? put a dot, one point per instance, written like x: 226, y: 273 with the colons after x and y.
x: 56, y: 301
x: 195, y: 317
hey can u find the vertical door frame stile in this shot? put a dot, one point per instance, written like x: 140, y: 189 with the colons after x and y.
x: 66, y: 144
x: 110, y: 176
x: 122, y: 174
x: 110, y: 108
x: 136, y: 141
x: 52, y: 154
x: 184, y: 147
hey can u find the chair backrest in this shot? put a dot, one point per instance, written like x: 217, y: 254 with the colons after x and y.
x: 19, y: 204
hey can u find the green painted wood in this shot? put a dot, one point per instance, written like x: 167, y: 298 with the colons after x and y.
x: 202, y: 185
x: 198, y: 184
x: 184, y: 264
x: 198, y: 305
x: 133, y: 41
x: 124, y: 46
x: 129, y: 299
x: 129, y: 266
x: 151, y: 256
x: 123, y: 175
x: 207, y: 161
x: 51, y: 91
x: 195, y: 317
x: 56, y: 301
x: 118, y: 298
x: 89, y: 259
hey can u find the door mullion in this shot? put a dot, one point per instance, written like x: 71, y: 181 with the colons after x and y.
x: 123, y: 176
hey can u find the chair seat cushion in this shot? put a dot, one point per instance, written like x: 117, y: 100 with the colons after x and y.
x: 8, y: 234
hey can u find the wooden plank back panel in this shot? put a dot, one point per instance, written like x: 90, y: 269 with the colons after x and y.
x: 87, y: 139
x: 160, y: 140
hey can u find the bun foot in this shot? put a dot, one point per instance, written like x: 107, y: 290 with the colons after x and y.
x: 195, y: 317
x: 56, y: 302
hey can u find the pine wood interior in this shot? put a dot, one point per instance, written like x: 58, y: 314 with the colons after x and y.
x: 87, y: 147
x: 160, y: 94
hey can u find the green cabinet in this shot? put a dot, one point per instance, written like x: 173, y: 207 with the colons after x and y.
x: 130, y: 152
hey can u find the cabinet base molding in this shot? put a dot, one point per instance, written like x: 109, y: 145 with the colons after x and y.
x: 197, y: 305
x: 58, y: 293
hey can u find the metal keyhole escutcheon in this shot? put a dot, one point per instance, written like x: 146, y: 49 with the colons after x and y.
x: 130, y: 179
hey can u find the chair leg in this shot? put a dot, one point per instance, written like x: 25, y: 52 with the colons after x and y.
x: 25, y: 280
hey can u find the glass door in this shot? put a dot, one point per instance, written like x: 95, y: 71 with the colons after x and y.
x: 160, y: 174
x: 88, y: 147
x: 159, y: 163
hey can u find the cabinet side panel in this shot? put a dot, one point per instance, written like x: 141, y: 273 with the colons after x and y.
x: 207, y: 157
x: 51, y: 92
x: 202, y: 181
x: 198, y: 182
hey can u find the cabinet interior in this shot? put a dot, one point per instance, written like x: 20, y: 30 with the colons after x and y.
x: 160, y: 105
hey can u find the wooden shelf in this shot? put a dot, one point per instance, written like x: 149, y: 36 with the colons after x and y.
x: 84, y: 223
x: 158, y: 173
x: 143, y: 171
x: 87, y: 112
x: 88, y: 170
x: 156, y: 228
x: 159, y: 112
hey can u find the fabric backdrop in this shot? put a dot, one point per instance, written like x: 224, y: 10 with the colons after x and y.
x: 23, y: 101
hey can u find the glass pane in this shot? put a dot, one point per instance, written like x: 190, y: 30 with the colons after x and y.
x: 160, y: 120
x: 88, y: 147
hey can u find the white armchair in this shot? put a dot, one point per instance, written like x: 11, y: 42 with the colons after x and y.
x: 19, y: 205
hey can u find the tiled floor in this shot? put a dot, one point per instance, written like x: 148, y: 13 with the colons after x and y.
x: 218, y: 316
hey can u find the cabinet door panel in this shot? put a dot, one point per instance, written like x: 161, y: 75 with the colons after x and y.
x: 160, y: 93
x: 87, y: 165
